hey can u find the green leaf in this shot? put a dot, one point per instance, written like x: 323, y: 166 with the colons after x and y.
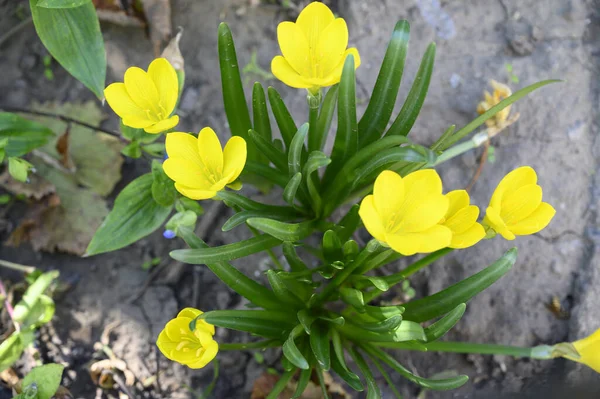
x: 41, y: 312
x: 139, y: 135
x: 295, y: 151
x: 316, y: 160
x: 284, y: 119
x: 444, y: 301
x: 442, y: 139
x: 380, y: 108
x: 350, y: 250
x: 234, y: 99
x: 250, y: 205
x: 290, y: 254
x: 345, y: 374
x: 317, y: 141
x: 273, y: 175
x: 353, y: 297
x: 480, y: 120
x: 266, y: 323
x: 182, y: 219
x: 302, y: 383
x: 319, y: 343
x: 47, y: 378
x: 281, y: 384
x: 283, y: 231
x: 332, y: 247
x: 262, y: 124
x: 346, y: 138
x: 372, y: 388
x: 290, y: 190
x: 19, y: 168
x: 62, y: 3
x: 385, y: 326
x: 33, y: 295
x: 267, y: 148
x: 21, y: 134
x: 291, y: 351
x: 282, y: 291
x: 227, y: 252
x: 306, y: 318
x: 163, y: 188
x: 135, y: 215
x: 416, y: 96
x: 233, y: 278
x: 377, y: 282
x: 12, y: 347
x: 132, y: 150
x: 73, y: 38
x: 242, y: 216
x: 407, y: 331
x: 442, y: 326
x: 384, y: 312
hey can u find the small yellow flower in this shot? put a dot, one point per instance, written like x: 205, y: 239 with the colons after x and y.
x: 501, y: 91
x: 314, y: 49
x: 194, y: 349
x: 516, y: 207
x: 404, y: 213
x: 199, y: 167
x: 461, y: 219
x: 146, y: 100
x: 589, y: 351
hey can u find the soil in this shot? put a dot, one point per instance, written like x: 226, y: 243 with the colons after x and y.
x: 557, y: 134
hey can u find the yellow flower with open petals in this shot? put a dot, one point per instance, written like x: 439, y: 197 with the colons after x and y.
x: 461, y: 219
x: 589, y: 351
x: 516, y: 207
x: 194, y: 349
x: 199, y: 167
x: 404, y: 213
x: 146, y: 100
x: 314, y: 49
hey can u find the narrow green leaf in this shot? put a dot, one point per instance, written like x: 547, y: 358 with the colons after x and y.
x: 353, y: 297
x: 321, y: 378
x: 234, y: 98
x: 266, y: 323
x: 282, y: 291
x: 407, y: 331
x: 319, y: 343
x: 416, y: 96
x: 266, y: 148
x: 32, y: 296
x: 442, y: 326
x: 332, y: 247
x: 290, y: 190
x: 241, y: 217
x: 377, y: 282
x: 281, y: 384
x: 346, y: 138
x: 47, y: 378
x: 283, y: 231
x: 391, y: 384
x: 284, y: 119
x: 295, y: 152
x: 350, y: 250
x: 480, y: 120
x: 273, y: 175
x: 306, y: 318
x: 227, y: 252
x: 380, y: 108
x: 250, y: 205
x: 385, y: 326
x: 349, y: 223
x: 317, y: 141
x: 135, y: 215
x: 262, y: 124
x: 444, y: 301
x: 19, y: 168
x: 316, y: 160
x: 440, y: 142
x: 345, y: 374
x: 291, y: 351
x: 373, y: 391
x: 22, y: 135
x: 290, y: 254
x: 302, y: 383
x: 62, y: 3
x: 384, y: 312
x: 12, y: 347
x: 73, y: 38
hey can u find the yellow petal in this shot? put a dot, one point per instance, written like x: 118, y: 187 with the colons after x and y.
x: 163, y: 125
x: 520, y: 203
x: 120, y: 102
x: 176, y: 329
x: 467, y: 238
x: 183, y: 145
x: 336, y: 73
x: 418, y: 186
x: 427, y: 213
x: 221, y: 183
x: 536, y: 221
x: 457, y: 200
x: 209, y: 353
x: 284, y: 72
x: 432, y: 239
x: 142, y: 90
x: 313, y: 20
x: 493, y: 219
x: 165, y: 345
x: 388, y: 193
x: 211, y: 152
x: 294, y: 47
x: 234, y: 157
x: 193, y: 193
x: 589, y: 350
x: 136, y: 122
x: 186, y: 173
x: 511, y: 182
x: 191, y: 313
x: 462, y: 220
x: 165, y: 79
x: 371, y: 218
x: 331, y: 47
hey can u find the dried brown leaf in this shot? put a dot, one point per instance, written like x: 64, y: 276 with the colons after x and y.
x: 36, y: 188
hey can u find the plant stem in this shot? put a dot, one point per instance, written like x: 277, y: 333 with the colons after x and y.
x: 249, y: 345
x: 313, y: 115
x: 482, y: 349
x: 9, y: 309
x: 476, y: 141
x: 17, y: 266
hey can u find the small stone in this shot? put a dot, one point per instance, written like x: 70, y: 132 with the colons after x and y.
x: 455, y: 80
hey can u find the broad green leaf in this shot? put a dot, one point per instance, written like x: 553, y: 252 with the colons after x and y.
x: 13, y: 346
x: 319, y: 343
x: 416, y: 96
x: 283, y: 231
x: 23, y: 135
x: 303, y: 380
x: 281, y: 384
x: 349, y: 223
x: 241, y: 217
x: 380, y: 108
x: 135, y: 215
x: 346, y: 138
x: 47, y: 378
x: 282, y: 291
x: 373, y: 391
x: 353, y: 297
x: 266, y: 323
x: 443, y: 325
x: 290, y: 190
x: 444, y: 301
x: 19, y: 168
x: 32, y: 295
x: 233, y: 278
x: 295, y: 151
x: 73, y: 38
x: 62, y: 3
x: 317, y: 141
x: 267, y: 148
x: 234, y: 99
x: 290, y: 254
x: 132, y: 150
x: 227, y: 252
x: 163, y: 188
x: 284, y: 119
x: 291, y: 351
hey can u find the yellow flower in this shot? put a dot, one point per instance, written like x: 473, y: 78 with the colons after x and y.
x: 461, y: 219
x: 589, y: 351
x: 313, y: 48
x: 501, y: 91
x: 147, y: 99
x: 194, y: 349
x: 199, y: 166
x: 404, y: 213
x: 516, y: 207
